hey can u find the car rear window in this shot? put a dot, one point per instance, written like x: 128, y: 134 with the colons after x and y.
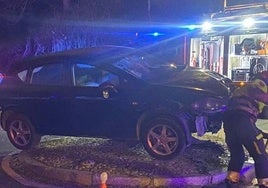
x: 52, y: 74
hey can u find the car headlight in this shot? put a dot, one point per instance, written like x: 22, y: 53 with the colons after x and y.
x: 210, y: 105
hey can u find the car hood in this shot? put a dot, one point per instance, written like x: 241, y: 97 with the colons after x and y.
x: 198, y: 79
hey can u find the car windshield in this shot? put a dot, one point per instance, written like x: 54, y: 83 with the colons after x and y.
x: 148, y: 68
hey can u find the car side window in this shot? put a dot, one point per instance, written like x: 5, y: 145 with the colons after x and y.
x: 90, y: 76
x: 51, y: 74
x: 108, y: 77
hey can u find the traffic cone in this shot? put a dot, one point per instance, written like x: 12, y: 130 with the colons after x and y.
x: 103, y: 179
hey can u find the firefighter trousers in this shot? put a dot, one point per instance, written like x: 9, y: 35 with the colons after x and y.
x: 240, y: 130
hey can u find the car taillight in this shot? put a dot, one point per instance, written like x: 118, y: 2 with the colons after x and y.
x: 1, y: 77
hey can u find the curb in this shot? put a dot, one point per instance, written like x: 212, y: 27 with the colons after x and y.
x: 87, y: 179
x: 7, y: 169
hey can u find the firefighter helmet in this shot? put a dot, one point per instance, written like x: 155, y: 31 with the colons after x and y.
x: 260, y: 84
x: 262, y: 75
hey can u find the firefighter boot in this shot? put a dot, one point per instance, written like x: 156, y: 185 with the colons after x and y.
x: 232, y: 179
x: 230, y: 184
x: 263, y: 183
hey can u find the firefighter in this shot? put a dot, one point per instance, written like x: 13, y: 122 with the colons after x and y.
x: 240, y: 130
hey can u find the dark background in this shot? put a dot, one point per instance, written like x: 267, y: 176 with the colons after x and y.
x: 34, y: 27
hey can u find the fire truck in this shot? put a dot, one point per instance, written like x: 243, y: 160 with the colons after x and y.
x: 233, y: 42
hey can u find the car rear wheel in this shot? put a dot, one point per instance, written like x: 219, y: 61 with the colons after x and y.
x: 21, y: 132
x: 163, y: 138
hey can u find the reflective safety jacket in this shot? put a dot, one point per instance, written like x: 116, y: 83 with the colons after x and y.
x: 250, y: 98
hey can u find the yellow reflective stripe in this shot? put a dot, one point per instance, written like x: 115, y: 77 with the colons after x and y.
x: 259, y: 136
x: 261, y: 106
x: 257, y: 148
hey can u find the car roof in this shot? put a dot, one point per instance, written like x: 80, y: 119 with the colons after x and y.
x: 99, y: 54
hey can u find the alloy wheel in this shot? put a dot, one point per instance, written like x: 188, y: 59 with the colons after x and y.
x: 162, y: 139
x: 20, y: 132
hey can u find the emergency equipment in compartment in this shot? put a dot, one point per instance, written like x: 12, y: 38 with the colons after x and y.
x: 231, y: 49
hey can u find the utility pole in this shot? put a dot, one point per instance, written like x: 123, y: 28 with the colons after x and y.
x: 149, y: 9
x: 225, y: 4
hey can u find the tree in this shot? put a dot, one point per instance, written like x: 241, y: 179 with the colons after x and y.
x: 64, y: 24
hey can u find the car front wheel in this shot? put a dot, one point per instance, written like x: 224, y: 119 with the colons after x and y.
x: 163, y: 138
x: 21, y: 132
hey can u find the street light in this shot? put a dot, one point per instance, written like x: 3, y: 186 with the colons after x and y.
x: 248, y: 23
x: 206, y: 27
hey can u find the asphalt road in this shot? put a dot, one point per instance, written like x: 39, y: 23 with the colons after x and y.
x: 6, y: 148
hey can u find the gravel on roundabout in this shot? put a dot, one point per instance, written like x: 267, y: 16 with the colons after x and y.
x: 79, y: 162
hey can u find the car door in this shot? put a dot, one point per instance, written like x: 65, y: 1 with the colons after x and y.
x: 100, y: 107
x: 49, y: 101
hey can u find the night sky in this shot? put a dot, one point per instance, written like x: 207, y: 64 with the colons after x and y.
x: 171, y: 10
x: 192, y: 9
x: 176, y: 10
x: 162, y: 11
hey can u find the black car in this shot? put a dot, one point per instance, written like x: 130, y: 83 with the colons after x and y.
x: 111, y: 92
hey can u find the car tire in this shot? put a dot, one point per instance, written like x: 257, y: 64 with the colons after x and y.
x: 21, y: 133
x: 163, y: 138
